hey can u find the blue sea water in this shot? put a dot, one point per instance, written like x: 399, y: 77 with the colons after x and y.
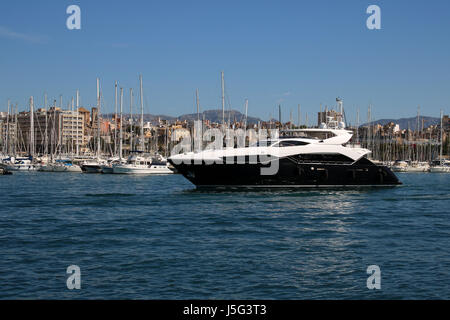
x: 157, y: 237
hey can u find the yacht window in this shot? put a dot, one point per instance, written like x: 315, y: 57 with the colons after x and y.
x: 323, y: 158
x: 291, y: 143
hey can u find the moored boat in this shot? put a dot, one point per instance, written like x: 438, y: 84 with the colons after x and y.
x: 140, y: 163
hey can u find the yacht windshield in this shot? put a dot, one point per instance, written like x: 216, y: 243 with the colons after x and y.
x: 263, y: 143
x: 310, y: 134
x: 291, y: 143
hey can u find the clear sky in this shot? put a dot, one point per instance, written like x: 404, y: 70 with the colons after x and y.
x: 287, y: 52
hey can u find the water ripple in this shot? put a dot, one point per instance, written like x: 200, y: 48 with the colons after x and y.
x: 159, y: 238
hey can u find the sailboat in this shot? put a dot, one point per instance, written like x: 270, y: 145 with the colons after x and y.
x: 443, y: 166
x: 95, y: 165
x: 140, y: 162
x: 25, y: 163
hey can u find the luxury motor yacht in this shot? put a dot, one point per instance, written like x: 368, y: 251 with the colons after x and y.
x: 297, y: 158
x: 141, y: 163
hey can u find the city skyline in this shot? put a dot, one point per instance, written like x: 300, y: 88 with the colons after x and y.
x: 314, y: 53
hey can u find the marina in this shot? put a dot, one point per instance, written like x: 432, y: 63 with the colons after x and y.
x: 96, y: 144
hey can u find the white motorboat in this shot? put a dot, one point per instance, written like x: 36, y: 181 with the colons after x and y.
x: 441, y: 167
x: 93, y: 166
x: 399, y: 166
x: 20, y: 164
x: 143, y: 164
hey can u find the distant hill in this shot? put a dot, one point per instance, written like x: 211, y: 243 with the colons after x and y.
x: 211, y: 115
x: 216, y: 116
x: 406, y: 123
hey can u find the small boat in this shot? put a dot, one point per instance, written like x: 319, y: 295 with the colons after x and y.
x: 93, y: 166
x: 441, y: 167
x: 418, y: 167
x: 399, y: 166
x: 408, y: 166
x: 3, y: 171
x: 140, y: 163
x: 107, y: 168
x: 20, y: 164
x: 61, y: 165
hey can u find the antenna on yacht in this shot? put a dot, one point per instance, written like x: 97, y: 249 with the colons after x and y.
x: 198, y: 104
x: 246, y: 114
x: 279, y: 116
x: 340, y: 118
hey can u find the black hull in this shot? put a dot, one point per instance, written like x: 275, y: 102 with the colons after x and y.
x: 289, y: 175
x: 91, y: 169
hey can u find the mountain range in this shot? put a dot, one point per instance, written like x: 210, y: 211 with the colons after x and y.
x: 216, y: 116
x: 211, y: 115
x: 406, y: 123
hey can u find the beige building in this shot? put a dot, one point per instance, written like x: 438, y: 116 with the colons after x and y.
x: 56, y: 128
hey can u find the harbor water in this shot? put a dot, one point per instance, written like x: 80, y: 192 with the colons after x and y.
x: 157, y: 237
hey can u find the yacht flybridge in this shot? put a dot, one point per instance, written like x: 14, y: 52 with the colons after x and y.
x: 297, y: 158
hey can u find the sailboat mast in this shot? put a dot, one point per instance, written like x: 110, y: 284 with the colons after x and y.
x: 223, y: 99
x: 198, y: 105
x: 115, y: 118
x: 7, y: 129
x: 440, y: 152
x: 16, y: 130
x: 72, y: 112
x: 131, y: 119
x: 417, y: 135
x: 98, y: 118
x: 31, y: 127
x: 46, y: 125
x: 357, y: 126
x: 121, y: 124
x: 246, y: 114
x: 142, y: 113
x: 78, y: 106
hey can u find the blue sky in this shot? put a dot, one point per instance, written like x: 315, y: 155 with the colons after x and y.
x: 287, y: 52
